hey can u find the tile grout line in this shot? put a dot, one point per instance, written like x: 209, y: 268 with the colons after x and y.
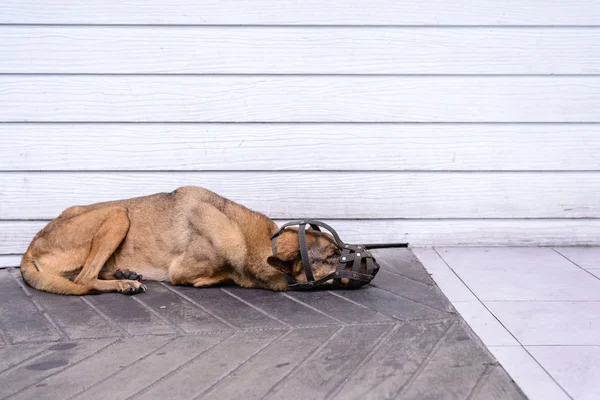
x: 406, y: 277
x: 91, y: 305
x: 558, y: 345
x: 304, y: 362
x: 501, y: 323
x: 34, y: 356
x: 66, y: 367
x: 116, y: 372
x: 3, y: 336
x: 311, y: 307
x: 201, y: 307
x: 156, y: 314
x: 173, y: 372
x: 411, y: 300
x: 383, y: 339
x: 211, y: 387
x: 256, y: 308
x: 477, y: 297
x: 573, y: 262
x: 425, y: 362
x: 532, y: 301
x: 333, y: 293
x: 483, y: 378
x: 548, y: 373
x: 42, y: 311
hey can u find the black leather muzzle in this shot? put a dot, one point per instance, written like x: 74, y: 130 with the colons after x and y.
x: 356, y: 263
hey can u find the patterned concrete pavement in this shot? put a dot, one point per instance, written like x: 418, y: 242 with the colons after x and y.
x: 397, y: 338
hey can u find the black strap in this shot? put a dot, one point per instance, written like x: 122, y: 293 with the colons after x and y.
x: 351, y: 254
x: 304, y: 254
x: 384, y: 245
x: 370, y: 266
x: 313, y: 224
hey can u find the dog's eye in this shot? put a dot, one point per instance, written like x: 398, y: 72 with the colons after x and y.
x: 332, y: 256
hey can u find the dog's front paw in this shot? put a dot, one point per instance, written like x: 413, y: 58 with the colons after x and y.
x: 127, y: 274
x: 130, y: 287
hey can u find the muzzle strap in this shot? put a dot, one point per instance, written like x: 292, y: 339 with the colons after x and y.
x: 369, y: 266
x: 349, y: 262
x: 304, y: 253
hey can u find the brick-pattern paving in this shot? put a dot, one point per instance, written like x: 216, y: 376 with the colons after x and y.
x: 397, y: 338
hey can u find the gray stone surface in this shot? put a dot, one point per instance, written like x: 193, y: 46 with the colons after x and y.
x: 397, y: 338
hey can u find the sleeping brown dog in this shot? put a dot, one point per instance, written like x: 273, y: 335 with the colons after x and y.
x: 188, y: 237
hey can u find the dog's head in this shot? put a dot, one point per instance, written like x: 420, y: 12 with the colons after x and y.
x: 322, y: 252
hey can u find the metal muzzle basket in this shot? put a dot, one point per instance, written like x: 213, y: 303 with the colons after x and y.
x: 356, y: 263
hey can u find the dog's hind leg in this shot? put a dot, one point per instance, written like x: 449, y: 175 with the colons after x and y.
x: 112, y: 230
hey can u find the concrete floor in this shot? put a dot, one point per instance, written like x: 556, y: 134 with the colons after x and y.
x: 536, y: 309
x: 397, y: 338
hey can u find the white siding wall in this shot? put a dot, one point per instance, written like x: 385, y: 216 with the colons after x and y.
x: 435, y: 122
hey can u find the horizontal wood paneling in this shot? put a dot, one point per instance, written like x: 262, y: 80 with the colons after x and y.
x: 383, y: 147
x: 306, y: 12
x: 431, y: 122
x: 297, y: 99
x: 546, y: 232
x: 289, y: 50
x: 322, y: 194
x: 15, y: 236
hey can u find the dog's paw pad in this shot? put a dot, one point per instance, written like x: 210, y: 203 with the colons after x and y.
x: 127, y: 274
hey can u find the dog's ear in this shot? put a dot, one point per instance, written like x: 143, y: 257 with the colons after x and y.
x: 282, y: 265
x: 287, y: 252
x: 284, y: 260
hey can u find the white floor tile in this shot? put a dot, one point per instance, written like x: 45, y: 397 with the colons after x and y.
x: 486, y: 326
x: 585, y: 257
x: 576, y: 369
x: 503, y: 258
x: 443, y: 276
x: 557, y: 284
x: 595, y: 272
x: 430, y: 259
x: 550, y: 323
x: 452, y: 286
x: 527, y: 373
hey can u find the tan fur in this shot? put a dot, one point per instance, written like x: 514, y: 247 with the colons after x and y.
x: 188, y: 237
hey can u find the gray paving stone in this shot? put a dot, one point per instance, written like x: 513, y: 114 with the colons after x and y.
x: 11, y: 356
x: 59, y: 357
x: 391, y: 366
x: 416, y: 291
x: 271, y: 365
x: 495, y: 387
x: 113, y: 359
x: 209, y: 368
x: 392, y: 305
x: 129, y: 314
x: 20, y: 319
x: 461, y: 358
x: 282, y: 308
x: 339, y: 308
x: 179, y: 311
x: 151, y: 368
x: 232, y: 310
x: 326, y: 370
x: 74, y: 317
x: 387, y: 340
x: 404, y: 262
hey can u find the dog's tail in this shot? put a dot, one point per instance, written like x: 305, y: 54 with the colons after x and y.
x: 49, y: 282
